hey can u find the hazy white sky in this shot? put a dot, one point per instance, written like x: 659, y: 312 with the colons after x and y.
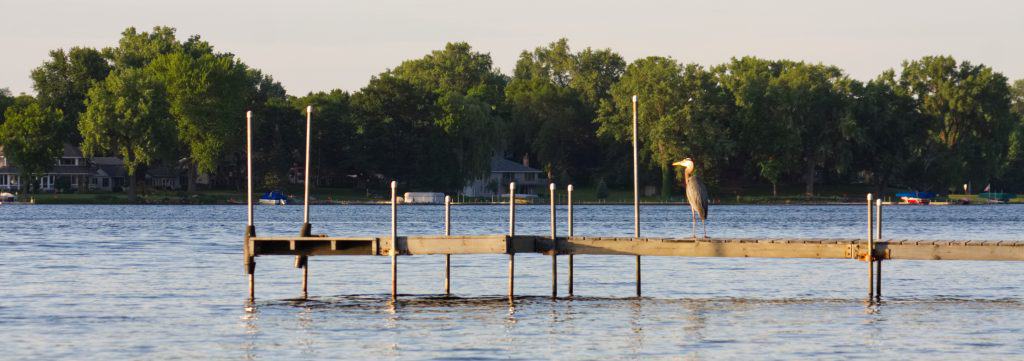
x: 319, y: 45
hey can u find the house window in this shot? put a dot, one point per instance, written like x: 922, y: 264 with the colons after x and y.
x: 3, y: 179
x: 106, y: 182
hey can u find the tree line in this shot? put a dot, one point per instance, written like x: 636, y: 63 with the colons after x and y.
x: 434, y: 122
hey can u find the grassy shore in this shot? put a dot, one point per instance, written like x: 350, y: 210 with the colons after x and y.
x: 581, y: 195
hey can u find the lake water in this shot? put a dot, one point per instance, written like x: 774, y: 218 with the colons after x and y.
x: 167, y: 282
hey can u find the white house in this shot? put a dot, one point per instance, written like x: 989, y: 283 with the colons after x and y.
x: 503, y: 171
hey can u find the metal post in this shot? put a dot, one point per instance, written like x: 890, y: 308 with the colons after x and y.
x: 447, y: 257
x: 554, y: 246
x: 636, y: 191
x: 878, y: 262
x: 305, y: 183
x: 250, y: 228
x: 871, y: 252
x: 394, y: 240
x: 306, y: 230
x: 569, y: 211
x: 511, y: 239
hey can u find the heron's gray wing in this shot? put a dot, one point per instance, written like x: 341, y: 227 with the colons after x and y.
x: 697, y: 195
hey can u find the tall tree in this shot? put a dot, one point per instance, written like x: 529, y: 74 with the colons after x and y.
x: 127, y: 115
x: 813, y: 102
x: 6, y: 100
x: 1012, y: 175
x: 137, y: 50
x: 206, y: 92
x: 891, y: 134
x: 968, y: 111
x: 30, y: 137
x: 658, y: 81
x: 63, y: 83
x: 336, y: 148
x: 467, y: 93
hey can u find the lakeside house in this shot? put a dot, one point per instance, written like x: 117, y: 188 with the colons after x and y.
x: 503, y: 171
x: 70, y: 172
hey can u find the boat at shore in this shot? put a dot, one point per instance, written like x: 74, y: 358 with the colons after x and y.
x: 274, y: 198
x: 915, y: 197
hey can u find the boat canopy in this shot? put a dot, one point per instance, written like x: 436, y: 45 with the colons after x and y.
x: 274, y: 196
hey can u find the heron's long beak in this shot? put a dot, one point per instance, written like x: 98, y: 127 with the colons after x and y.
x: 678, y: 164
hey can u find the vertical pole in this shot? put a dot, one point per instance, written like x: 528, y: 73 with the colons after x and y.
x: 569, y: 211
x: 303, y: 261
x: 878, y: 262
x: 554, y: 246
x: 636, y: 191
x: 250, y: 228
x: 871, y: 252
x: 305, y: 182
x: 447, y: 257
x: 511, y: 239
x: 394, y: 240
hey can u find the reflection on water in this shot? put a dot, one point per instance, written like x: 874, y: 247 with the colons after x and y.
x: 134, y: 282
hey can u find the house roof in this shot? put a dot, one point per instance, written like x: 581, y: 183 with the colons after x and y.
x: 502, y: 165
x: 72, y: 151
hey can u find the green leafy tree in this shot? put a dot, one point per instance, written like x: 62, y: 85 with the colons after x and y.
x: 767, y: 148
x: 813, y: 102
x: 6, y: 100
x: 335, y: 145
x: 658, y: 81
x: 467, y: 91
x: 206, y: 92
x: 967, y: 108
x: 138, y: 49
x: 30, y: 136
x: 127, y: 115
x: 63, y: 81
x: 891, y: 134
x: 553, y: 98
x: 1012, y: 179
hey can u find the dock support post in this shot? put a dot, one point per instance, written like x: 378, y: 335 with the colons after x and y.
x: 394, y: 240
x: 554, y: 246
x: 636, y: 191
x: 569, y: 211
x: 306, y: 230
x: 250, y: 229
x: 447, y: 257
x: 878, y: 262
x: 511, y: 239
x: 871, y: 252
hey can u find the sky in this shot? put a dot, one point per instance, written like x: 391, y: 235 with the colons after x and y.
x: 314, y: 45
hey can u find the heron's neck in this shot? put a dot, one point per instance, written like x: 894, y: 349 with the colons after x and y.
x: 689, y: 172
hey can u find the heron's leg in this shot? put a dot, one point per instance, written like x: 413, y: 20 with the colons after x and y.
x: 693, y: 218
x: 704, y: 222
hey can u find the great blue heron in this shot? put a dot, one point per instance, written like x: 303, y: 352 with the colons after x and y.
x: 697, y: 195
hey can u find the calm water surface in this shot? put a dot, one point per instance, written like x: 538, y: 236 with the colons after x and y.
x: 166, y: 282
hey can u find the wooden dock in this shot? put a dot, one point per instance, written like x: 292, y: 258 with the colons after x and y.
x: 855, y: 249
x: 872, y: 249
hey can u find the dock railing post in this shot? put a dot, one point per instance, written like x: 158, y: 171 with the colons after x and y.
x: 554, y: 246
x: 569, y: 233
x: 250, y: 229
x: 636, y: 190
x: 511, y: 240
x: 394, y: 240
x: 878, y: 262
x: 306, y: 231
x: 871, y: 252
x: 447, y: 257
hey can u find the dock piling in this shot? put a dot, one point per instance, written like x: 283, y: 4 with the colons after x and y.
x: 511, y: 239
x: 878, y: 262
x: 447, y: 257
x: 636, y: 190
x: 250, y: 229
x: 394, y: 240
x: 306, y: 230
x: 569, y: 233
x: 871, y: 252
x: 554, y: 246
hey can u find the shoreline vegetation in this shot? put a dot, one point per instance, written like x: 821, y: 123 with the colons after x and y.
x: 759, y: 130
x: 582, y: 196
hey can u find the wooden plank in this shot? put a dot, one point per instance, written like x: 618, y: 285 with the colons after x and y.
x: 672, y: 247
